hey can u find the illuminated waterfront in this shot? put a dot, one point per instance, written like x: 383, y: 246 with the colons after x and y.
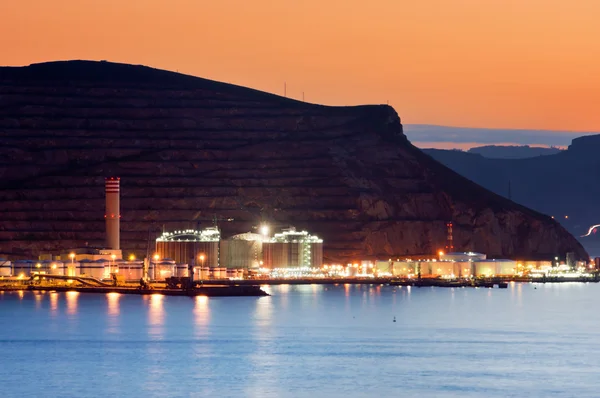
x: 529, y: 339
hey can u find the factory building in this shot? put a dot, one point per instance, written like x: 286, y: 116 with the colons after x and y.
x: 293, y: 249
x: 243, y: 251
x: 190, y: 246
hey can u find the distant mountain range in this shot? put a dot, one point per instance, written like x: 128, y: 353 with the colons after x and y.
x: 565, y: 184
x: 448, y: 137
x: 512, y: 151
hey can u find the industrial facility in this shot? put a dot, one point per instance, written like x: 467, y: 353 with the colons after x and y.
x: 243, y: 251
x: 293, y: 249
x: 190, y: 246
x: 201, y: 254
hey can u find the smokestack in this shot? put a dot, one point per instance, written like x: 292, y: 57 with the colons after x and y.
x: 449, y: 238
x: 113, y: 214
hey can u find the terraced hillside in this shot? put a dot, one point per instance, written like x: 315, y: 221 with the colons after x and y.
x: 188, y: 148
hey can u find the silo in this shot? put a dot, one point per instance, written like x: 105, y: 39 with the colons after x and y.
x: 190, y: 247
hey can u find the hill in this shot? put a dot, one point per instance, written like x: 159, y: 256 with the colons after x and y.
x: 560, y: 185
x: 187, y: 148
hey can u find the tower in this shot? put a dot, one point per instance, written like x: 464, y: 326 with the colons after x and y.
x: 113, y: 213
x: 449, y: 238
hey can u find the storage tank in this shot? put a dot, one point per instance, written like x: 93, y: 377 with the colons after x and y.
x: 164, y: 269
x: 484, y: 268
x: 293, y: 249
x: 463, y: 269
x: 181, y: 271
x: 424, y: 268
x: 95, y: 269
x: 204, y: 273
x: 242, y: 251
x: 443, y: 268
x: 24, y: 268
x: 132, y: 270
x: 5, y: 267
x: 190, y: 246
x: 462, y: 256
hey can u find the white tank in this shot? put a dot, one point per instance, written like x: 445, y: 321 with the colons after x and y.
x: 5, y: 268
x: 181, y: 271
x: 132, y: 270
x: 95, y: 269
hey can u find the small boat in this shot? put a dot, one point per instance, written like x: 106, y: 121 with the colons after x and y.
x: 502, y: 285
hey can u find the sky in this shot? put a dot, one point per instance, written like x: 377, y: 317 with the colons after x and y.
x: 499, y: 64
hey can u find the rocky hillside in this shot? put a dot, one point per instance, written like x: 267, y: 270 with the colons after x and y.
x: 187, y: 148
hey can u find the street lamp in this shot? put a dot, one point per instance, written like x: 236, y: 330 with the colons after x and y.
x: 131, y: 257
x: 202, y: 260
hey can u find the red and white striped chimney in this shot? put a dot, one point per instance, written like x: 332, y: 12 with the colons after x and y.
x: 113, y: 214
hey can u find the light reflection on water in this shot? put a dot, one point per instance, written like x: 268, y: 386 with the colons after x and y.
x: 156, y: 316
x: 305, y: 341
x: 53, y: 303
x: 113, y: 311
x: 71, y: 298
x: 202, y: 316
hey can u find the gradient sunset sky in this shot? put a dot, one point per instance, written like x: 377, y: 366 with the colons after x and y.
x: 529, y: 64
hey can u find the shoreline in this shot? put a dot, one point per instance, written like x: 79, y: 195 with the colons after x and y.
x: 251, y: 287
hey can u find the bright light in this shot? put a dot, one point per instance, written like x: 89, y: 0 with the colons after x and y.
x: 202, y: 257
x: 72, y: 256
x: 53, y: 266
x: 131, y: 257
x: 113, y: 256
x: 156, y: 257
x: 441, y: 253
x: 38, y: 265
x: 264, y: 230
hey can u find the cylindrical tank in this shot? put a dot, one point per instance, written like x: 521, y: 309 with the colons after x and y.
x: 164, y: 269
x: 293, y: 249
x: 132, y: 270
x: 181, y: 271
x: 113, y: 214
x: 204, y: 273
x: 24, y: 268
x: 352, y: 270
x: 5, y: 268
x: 190, y: 246
x: 95, y: 269
x: 241, y: 251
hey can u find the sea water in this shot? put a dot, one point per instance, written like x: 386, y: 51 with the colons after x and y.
x: 535, y: 340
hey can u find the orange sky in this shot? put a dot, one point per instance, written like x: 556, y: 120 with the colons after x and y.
x: 483, y: 63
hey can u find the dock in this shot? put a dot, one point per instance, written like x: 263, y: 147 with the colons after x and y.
x: 208, y: 291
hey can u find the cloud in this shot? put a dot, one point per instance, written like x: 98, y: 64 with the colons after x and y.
x: 423, y: 134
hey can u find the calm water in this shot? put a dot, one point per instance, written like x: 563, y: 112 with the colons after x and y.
x: 305, y: 341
